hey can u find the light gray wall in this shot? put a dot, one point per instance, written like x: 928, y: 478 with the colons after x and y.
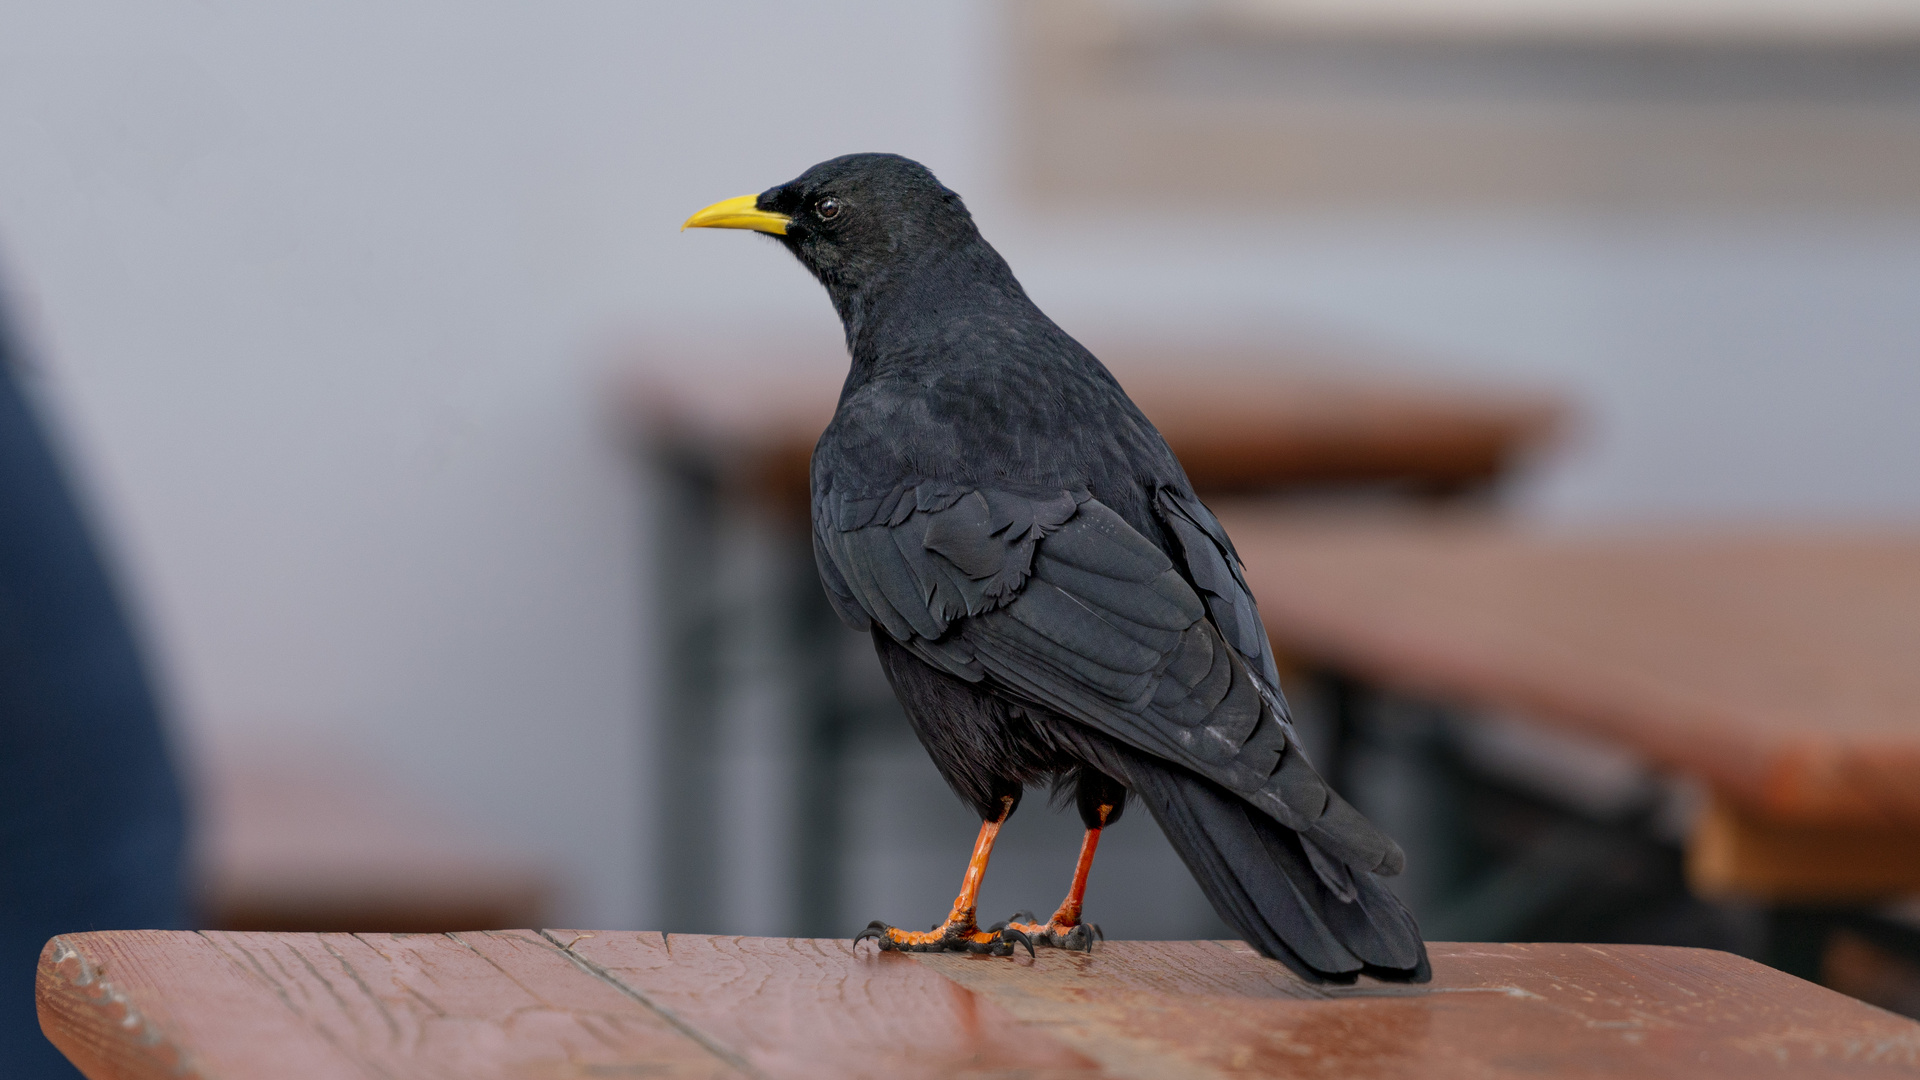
x: 1726, y: 366
x: 325, y: 296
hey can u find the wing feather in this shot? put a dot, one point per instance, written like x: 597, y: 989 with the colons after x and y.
x: 1061, y: 602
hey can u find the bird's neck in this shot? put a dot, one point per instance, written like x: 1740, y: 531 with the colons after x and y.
x: 893, y: 316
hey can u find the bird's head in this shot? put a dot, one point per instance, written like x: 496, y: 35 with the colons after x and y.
x: 853, y: 220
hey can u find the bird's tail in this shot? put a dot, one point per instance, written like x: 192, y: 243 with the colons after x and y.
x: 1260, y: 877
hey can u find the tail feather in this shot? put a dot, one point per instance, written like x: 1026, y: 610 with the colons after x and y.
x: 1261, y: 878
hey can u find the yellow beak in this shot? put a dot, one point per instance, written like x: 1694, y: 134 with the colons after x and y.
x: 740, y: 213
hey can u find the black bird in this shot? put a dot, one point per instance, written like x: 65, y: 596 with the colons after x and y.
x: 1048, y: 597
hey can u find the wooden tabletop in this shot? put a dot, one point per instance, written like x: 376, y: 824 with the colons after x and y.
x: 1241, y: 419
x: 560, y: 1004
x: 1781, y: 667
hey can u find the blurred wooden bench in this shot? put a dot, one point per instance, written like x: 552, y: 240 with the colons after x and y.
x: 303, y: 839
x: 560, y: 1004
x: 1781, y: 669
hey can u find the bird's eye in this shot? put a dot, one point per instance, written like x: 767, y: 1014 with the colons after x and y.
x: 828, y: 209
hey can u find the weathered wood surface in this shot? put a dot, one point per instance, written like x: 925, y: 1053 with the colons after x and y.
x: 231, y: 1005
x: 1240, y: 420
x: 567, y: 1004
x: 1779, y: 668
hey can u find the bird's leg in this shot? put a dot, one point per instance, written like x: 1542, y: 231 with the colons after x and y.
x: 960, y: 932
x: 1065, y: 930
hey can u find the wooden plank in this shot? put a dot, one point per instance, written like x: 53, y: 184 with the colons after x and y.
x: 152, y: 1004
x: 236, y: 1006
x: 1157, y: 1010
x: 561, y: 1005
x: 1776, y: 667
x: 1732, y: 853
x: 816, y: 1008
x: 1136, y: 1007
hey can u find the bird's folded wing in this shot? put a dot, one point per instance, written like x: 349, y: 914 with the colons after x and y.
x: 1215, y: 568
x: 1058, y: 600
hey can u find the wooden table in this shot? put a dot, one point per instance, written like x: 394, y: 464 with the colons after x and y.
x: 735, y: 424
x: 1780, y: 668
x: 560, y: 1003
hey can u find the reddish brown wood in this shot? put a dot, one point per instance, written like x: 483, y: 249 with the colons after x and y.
x: 1240, y: 419
x: 146, y: 1005
x: 818, y: 1008
x: 1778, y: 667
x: 1730, y: 852
x: 228, y: 1006
x: 570, y: 1004
x: 1176, y: 1009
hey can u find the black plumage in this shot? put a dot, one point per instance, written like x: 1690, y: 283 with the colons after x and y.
x: 1049, y: 598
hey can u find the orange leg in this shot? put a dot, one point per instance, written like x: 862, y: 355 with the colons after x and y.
x: 961, y: 931
x: 1065, y: 929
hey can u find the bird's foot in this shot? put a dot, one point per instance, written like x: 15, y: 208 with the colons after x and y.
x: 1075, y: 935
x: 954, y: 935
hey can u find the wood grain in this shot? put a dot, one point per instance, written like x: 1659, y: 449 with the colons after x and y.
x: 1778, y: 667
x: 142, y: 1005
x: 816, y: 1008
x: 1491, y: 1011
x: 224, y: 1006
x: 557, y: 1005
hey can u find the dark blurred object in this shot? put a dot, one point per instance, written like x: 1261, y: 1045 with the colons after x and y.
x: 306, y: 839
x: 91, y: 824
x: 1772, y: 668
x: 1266, y: 107
x: 1863, y: 964
x: 734, y: 429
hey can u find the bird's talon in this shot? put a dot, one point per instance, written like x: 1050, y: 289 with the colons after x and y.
x: 877, y: 930
x: 951, y: 936
x: 1071, y: 936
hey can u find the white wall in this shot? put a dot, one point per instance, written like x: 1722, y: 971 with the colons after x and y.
x: 324, y: 294
x: 1728, y: 366
x: 321, y: 293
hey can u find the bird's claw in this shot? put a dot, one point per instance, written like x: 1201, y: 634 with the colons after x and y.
x: 996, y: 940
x: 875, y: 929
x: 1075, y: 937
x: 1007, y: 935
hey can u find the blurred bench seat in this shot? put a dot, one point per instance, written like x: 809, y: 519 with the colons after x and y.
x: 300, y: 840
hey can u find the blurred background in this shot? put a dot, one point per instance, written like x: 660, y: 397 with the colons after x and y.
x: 441, y: 478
